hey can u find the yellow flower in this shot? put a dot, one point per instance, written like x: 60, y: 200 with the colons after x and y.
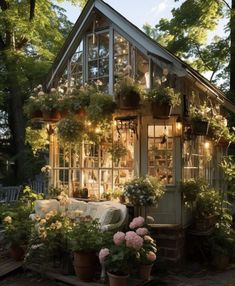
x: 58, y: 224
x: 43, y: 235
x: 42, y: 221
x: 52, y: 226
x: 8, y: 219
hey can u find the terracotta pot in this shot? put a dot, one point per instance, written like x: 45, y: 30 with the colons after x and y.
x: 85, y: 265
x: 145, y: 271
x: 51, y: 115
x: 117, y: 280
x: 17, y: 252
x: 161, y: 110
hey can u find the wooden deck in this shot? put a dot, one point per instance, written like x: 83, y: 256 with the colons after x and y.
x: 7, y: 265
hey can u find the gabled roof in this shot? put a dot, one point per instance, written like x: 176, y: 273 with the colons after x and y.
x: 135, y: 35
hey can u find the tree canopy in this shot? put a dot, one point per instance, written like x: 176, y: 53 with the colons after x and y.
x: 31, y: 33
x: 188, y: 35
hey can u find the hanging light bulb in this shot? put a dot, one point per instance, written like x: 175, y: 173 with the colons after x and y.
x: 207, y: 145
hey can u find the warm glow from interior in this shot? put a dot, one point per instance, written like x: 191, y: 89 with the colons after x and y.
x: 207, y: 145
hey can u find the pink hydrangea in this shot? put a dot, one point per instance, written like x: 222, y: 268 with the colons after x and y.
x: 136, y: 222
x: 142, y: 231
x: 104, y: 252
x: 151, y: 256
x: 133, y: 240
x: 118, y: 237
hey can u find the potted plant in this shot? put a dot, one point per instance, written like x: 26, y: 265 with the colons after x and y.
x: 17, y: 224
x: 207, y: 210
x: 191, y: 188
x: 119, y: 254
x: 49, y: 238
x: 147, y: 253
x: 144, y: 191
x: 127, y: 94
x: 123, y: 250
x: 117, y: 151
x: 80, y: 100
x: 199, y: 118
x: 100, y: 108
x: 70, y: 130
x: 85, y: 239
x: 162, y: 100
x: 222, y: 245
x: 50, y: 105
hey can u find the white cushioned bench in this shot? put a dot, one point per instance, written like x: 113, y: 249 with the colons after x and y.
x: 111, y: 215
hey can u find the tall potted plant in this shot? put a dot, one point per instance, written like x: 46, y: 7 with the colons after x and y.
x: 162, y: 100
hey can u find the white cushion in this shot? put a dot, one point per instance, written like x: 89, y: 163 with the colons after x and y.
x: 110, y: 215
x: 77, y: 205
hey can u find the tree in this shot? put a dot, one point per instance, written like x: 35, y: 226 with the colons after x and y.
x: 31, y: 32
x: 187, y: 33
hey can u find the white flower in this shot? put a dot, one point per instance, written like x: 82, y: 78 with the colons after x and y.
x: 8, y: 219
x: 41, y: 93
x: 53, y: 89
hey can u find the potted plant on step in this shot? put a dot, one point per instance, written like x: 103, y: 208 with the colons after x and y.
x: 162, y: 100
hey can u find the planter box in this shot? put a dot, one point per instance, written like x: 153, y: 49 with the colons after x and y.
x: 51, y: 116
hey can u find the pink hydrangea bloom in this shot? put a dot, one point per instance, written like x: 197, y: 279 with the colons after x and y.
x: 142, y: 231
x: 103, y: 253
x: 133, y: 240
x: 119, y: 237
x: 151, y: 256
x: 136, y: 222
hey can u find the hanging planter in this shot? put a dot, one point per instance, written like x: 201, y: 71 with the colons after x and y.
x: 162, y: 100
x: 128, y: 94
x: 70, y: 130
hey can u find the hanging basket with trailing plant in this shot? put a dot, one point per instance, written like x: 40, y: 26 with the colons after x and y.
x: 70, y: 130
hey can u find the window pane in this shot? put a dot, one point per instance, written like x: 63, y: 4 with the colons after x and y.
x: 160, y: 153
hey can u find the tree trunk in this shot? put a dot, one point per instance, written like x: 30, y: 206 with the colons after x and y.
x: 232, y: 52
x: 15, y: 116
